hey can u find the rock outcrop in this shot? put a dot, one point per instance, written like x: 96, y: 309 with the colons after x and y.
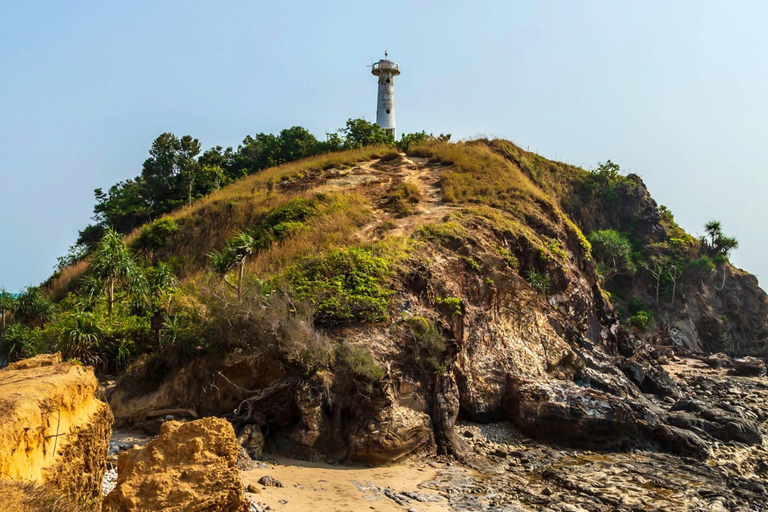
x: 55, y: 430
x: 189, y: 466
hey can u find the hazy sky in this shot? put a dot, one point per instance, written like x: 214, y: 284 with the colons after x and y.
x: 673, y: 91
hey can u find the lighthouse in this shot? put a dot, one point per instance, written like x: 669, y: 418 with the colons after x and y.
x: 386, y: 70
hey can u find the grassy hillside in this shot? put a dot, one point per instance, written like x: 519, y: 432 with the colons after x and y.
x: 338, y: 233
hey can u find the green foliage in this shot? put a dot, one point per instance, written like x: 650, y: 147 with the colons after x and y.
x: 7, y: 306
x: 703, y: 265
x: 345, y: 285
x: 17, y: 342
x: 410, y: 140
x: 112, y: 266
x: 509, y: 259
x: 605, y: 181
x: 556, y: 248
x: 359, y: 132
x: 717, y: 244
x: 473, y: 265
x: 585, y: 244
x: 33, y: 308
x: 455, y: 306
x: 288, y: 217
x: 641, y: 315
x: 175, y: 173
x: 613, y: 252
x: 430, y: 339
x: 641, y: 319
x: 359, y: 362
x: 153, y: 236
x: 538, y: 281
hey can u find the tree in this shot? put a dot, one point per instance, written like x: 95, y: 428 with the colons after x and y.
x: 169, y: 173
x: 112, y: 265
x: 235, y: 254
x: 359, y: 133
x: 154, y: 296
x: 7, y: 306
x: 613, y: 252
x: 716, y: 242
x: 33, y: 308
x: 296, y: 143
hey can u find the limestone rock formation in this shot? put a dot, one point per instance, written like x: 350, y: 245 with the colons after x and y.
x: 189, y: 466
x: 55, y: 431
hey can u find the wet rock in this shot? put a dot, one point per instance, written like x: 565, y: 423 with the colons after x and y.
x: 189, y: 466
x: 748, y: 367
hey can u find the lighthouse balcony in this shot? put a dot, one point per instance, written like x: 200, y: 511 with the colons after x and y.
x: 385, y: 66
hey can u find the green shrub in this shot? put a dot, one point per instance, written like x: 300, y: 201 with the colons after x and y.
x: 556, y: 248
x: 430, y: 339
x: 704, y: 265
x: 154, y: 236
x: 454, y: 305
x: 641, y: 319
x: 613, y: 252
x: 17, y: 342
x: 473, y: 265
x: 509, y: 259
x: 349, y: 284
x: 359, y: 362
x: 538, y: 280
x: 288, y: 217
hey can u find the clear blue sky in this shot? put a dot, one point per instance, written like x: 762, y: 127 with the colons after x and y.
x: 674, y: 91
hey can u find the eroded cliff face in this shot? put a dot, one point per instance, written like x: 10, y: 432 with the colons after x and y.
x: 55, y: 430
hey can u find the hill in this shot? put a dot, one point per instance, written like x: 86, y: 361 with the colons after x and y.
x: 355, y: 305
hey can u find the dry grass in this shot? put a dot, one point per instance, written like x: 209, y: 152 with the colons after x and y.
x: 207, y: 223
x: 480, y: 175
x: 402, y: 198
x: 555, y: 178
x: 30, y: 497
x: 67, y: 280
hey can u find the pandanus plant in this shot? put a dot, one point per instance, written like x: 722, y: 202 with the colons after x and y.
x: 235, y: 254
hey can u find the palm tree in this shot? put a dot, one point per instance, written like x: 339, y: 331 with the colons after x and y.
x: 112, y: 265
x: 242, y: 245
x: 7, y: 305
x: 153, y: 296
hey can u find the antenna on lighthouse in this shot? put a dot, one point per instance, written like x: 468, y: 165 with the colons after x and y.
x: 386, y: 70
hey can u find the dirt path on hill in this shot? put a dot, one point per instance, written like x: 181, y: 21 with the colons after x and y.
x: 419, y: 171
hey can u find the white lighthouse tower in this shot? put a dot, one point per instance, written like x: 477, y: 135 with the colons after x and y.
x: 386, y: 70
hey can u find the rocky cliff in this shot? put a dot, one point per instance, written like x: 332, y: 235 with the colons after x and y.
x: 458, y: 285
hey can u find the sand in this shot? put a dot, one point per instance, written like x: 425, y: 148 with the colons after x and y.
x: 311, y: 486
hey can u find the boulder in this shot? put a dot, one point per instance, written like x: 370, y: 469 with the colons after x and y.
x: 650, y: 378
x: 571, y: 415
x: 748, y: 367
x: 189, y: 466
x: 54, y: 431
x: 252, y: 440
x: 718, y: 360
